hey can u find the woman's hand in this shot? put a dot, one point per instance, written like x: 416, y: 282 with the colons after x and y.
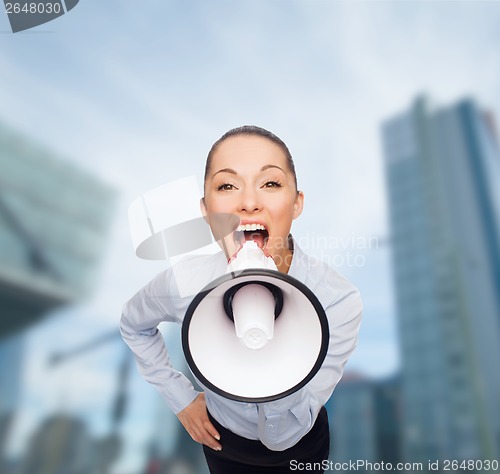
x: 195, y: 419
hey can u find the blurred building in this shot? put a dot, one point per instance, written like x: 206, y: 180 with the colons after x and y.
x: 11, y: 350
x: 171, y: 449
x: 54, y: 219
x: 443, y: 178
x: 365, y: 420
x: 11, y: 363
x: 387, y: 402
x: 61, y: 444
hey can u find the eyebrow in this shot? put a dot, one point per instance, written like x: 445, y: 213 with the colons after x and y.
x: 264, y: 168
x: 230, y: 170
x: 225, y: 170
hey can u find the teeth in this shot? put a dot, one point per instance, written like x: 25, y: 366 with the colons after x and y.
x: 242, y: 228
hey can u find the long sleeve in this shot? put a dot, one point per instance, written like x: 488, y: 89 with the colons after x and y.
x: 139, y: 328
x: 345, y: 319
x: 281, y: 422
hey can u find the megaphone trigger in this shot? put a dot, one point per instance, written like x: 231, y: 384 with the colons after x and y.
x: 253, y: 328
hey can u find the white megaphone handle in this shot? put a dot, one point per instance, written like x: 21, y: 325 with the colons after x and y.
x: 251, y: 256
x: 253, y: 312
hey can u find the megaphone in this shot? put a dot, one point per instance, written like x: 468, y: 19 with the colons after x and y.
x: 255, y: 335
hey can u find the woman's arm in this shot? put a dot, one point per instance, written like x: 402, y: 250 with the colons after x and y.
x: 140, y: 318
x: 139, y: 328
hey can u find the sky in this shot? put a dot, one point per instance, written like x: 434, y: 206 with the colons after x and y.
x: 136, y: 93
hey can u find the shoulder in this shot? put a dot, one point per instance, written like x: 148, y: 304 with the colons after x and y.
x: 173, y: 288
x: 192, y: 273
x: 188, y: 275
x: 326, y: 282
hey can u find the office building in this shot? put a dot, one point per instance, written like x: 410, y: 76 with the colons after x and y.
x: 365, y: 423
x: 443, y: 180
x: 54, y: 221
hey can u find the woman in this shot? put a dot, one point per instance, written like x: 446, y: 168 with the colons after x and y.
x: 249, y: 173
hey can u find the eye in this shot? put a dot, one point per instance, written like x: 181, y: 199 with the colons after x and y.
x: 225, y: 187
x: 272, y: 184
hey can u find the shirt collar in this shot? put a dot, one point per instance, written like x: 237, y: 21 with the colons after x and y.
x: 298, y: 267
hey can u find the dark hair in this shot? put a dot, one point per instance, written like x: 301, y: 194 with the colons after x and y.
x: 256, y: 131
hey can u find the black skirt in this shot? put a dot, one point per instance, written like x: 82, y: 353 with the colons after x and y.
x: 245, y: 456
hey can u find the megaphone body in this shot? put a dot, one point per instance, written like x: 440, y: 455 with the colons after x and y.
x: 255, y: 334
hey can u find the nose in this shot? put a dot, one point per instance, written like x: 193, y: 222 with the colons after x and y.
x: 249, y: 201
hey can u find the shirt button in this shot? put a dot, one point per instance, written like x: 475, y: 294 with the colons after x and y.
x: 270, y: 426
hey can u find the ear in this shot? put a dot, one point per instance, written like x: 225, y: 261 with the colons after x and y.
x: 203, y: 208
x: 298, y: 204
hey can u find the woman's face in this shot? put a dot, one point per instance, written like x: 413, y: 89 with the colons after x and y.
x: 250, y: 178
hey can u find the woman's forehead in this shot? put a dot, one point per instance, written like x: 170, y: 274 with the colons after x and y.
x: 247, y: 150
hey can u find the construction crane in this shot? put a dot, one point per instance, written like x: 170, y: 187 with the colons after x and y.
x: 109, y: 446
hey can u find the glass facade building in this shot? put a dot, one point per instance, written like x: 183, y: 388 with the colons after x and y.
x: 365, y: 421
x: 54, y: 219
x: 443, y: 181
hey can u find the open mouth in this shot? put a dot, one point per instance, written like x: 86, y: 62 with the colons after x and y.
x: 256, y: 232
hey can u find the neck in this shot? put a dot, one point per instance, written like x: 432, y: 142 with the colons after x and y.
x: 284, y: 260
